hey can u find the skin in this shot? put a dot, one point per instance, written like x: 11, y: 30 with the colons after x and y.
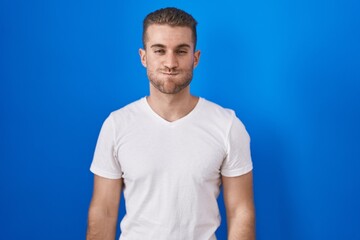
x: 239, y: 204
x: 103, y: 210
x: 169, y: 58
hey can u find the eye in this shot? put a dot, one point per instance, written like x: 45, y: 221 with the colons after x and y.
x: 181, y: 52
x: 159, y: 51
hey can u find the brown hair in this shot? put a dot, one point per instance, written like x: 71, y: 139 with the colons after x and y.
x: 170, y: 16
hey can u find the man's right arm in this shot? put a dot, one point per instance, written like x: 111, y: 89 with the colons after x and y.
x: 103, y: 211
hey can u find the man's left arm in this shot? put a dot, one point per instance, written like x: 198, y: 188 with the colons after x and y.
x: 239, y: 204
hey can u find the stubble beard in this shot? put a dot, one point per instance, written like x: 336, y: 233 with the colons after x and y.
x: 170, y: 84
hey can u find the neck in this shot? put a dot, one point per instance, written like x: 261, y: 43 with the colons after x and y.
x: 172, y: 107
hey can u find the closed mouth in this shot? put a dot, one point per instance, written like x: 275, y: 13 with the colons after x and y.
x: 170, y: 73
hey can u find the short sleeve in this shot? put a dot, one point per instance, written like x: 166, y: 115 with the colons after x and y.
x: 238, y: 159
x: 105, y: 162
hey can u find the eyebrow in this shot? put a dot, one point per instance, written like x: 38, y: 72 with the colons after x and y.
x: 184, y: 45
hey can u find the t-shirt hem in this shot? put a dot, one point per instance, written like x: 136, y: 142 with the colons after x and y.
x: 237, y: 172
x: 103, y: 173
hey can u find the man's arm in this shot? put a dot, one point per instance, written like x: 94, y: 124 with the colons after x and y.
x: 239, y: 204
x: 103, y: 211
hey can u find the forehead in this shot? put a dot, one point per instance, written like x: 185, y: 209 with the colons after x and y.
x: 168, y: 35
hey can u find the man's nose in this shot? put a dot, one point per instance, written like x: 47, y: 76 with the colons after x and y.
x: 171, y: 61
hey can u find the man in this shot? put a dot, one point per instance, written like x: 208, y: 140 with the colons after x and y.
x: 170, y: 152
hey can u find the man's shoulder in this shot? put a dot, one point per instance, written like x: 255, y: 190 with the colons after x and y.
x: 215, y: 110
x: 128, y: 111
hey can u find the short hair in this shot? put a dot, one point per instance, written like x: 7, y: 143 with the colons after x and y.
x: 170, y: 16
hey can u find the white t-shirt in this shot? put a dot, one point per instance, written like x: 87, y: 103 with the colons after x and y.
x: 171, y: 170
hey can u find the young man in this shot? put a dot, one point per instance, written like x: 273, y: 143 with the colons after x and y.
x: 170, y: 152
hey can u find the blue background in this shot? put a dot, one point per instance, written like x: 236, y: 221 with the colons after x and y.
x: 290, y: 69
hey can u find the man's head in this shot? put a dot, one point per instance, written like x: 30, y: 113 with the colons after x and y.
x: 170, y: 16
x: 169, y: 50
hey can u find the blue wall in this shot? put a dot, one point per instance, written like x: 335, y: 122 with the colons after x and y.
x: 290, y: 69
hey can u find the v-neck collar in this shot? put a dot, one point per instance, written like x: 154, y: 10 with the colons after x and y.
x: 172, y: 123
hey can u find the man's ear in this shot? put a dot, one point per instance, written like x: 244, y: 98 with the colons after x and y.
x: 142, y: 54
x: 196, y: 58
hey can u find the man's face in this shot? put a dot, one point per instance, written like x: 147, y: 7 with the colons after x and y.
x: 169, y: 57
